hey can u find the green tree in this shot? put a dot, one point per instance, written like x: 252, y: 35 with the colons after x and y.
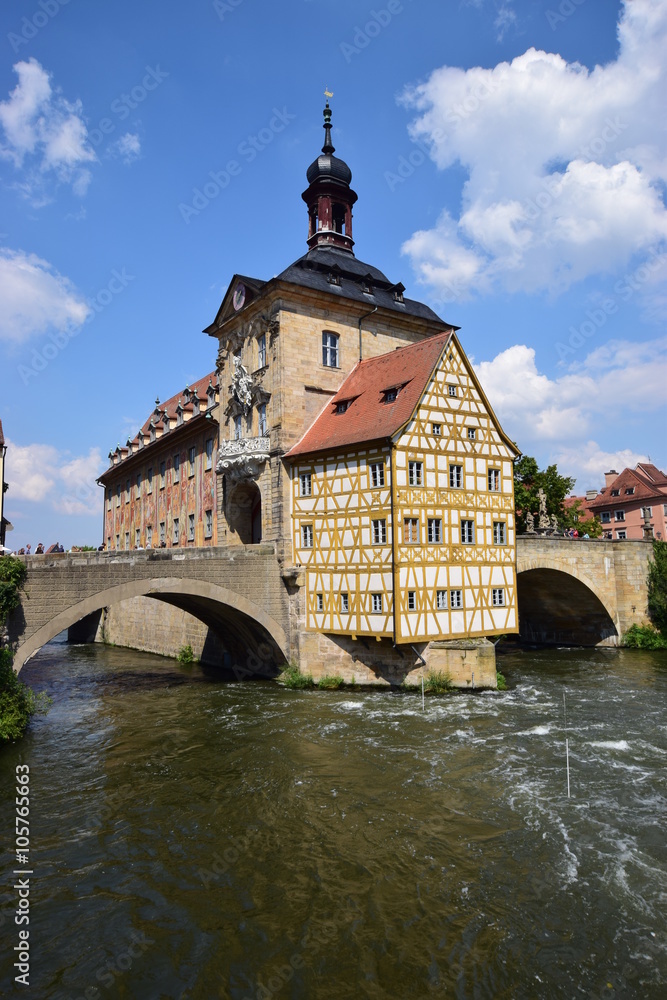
x: 657, y: 587
x: 529, y: 479
x: 12, y: 575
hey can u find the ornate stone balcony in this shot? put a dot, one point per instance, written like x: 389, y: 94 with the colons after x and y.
x: 242, y: 458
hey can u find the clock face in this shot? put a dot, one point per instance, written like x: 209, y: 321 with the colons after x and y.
x: 239, y: 297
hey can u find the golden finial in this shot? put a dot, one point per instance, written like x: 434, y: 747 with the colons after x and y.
x: 327, y: 92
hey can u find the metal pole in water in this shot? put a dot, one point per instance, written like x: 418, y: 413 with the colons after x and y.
x: 423, y: 703
x: 567, y: 762
x: 564, y: 709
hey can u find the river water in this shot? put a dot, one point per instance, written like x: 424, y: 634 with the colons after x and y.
x: 194, y: 838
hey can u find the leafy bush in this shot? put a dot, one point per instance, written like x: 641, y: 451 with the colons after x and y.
x: 500, y: 681
x: 185, y: 656
x: 12, y: 575
x: 330, y: 683
x: 644, y: 637
x: 657, y: 588
x: 17, y: 701
x: 292, y: 677
x: 437, y: 682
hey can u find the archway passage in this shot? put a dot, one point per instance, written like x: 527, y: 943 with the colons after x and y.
x: 557, y: 609
x: 257, y: 643
x: 245, y: 513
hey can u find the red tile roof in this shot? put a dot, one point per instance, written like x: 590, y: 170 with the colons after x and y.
x: 367, y: 417
x: 636, y: 480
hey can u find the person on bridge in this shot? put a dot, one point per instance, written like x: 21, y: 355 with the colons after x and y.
x: 39, y: 551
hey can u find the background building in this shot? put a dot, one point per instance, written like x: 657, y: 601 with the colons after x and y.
x: 4, y: 524
x: 626, y: 499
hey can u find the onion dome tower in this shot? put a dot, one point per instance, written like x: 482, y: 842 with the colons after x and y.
x: 329, y: 197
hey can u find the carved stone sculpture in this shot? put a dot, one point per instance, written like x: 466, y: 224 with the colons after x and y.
x: 543, y: 522
x: 530, y: 524
x: 242, y: 385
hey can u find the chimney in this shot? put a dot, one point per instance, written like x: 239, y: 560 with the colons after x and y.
x: 591, y: 495
x: 609, y: 477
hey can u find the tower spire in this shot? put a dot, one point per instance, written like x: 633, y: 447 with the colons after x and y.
x: 328, y: 146
x: 329, y: 196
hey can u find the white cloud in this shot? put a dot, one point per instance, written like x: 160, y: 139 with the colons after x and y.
x: 552, y: 418
x: 40, y: 473
x: 44, y: 134
x: 565, y: 164
x: 35, y: 297
x: 127, y: 148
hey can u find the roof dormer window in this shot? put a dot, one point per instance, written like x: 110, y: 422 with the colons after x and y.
x: 179, y: 414
x: 398, y: 292
x: 616, y: 493
x: 343, y: 405
x: 367, y: 285
x: 390, y: 395
x: 630, y: 490
x: 334, y: 275
x: 195, y: 405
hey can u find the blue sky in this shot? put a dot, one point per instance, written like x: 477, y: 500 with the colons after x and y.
x: 510, y: 160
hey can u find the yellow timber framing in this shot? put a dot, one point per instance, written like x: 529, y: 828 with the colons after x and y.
x: 344, y: 505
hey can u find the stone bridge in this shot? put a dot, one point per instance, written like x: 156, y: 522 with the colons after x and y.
x: 571, y: 592
x: 580, y: 592
x: 237, y: 591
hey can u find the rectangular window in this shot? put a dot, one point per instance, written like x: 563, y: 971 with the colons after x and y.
x: 435, y: 530
x: 117, y: 543
x: 307, y: 536
x: 664, y: 509
x: 456, y: 476
x: 379, y: 531
x: 619, y: 515
x: 616, y: 493
x: 441, y: 600
x: 163, y: 474
x: 177, y: 468
x: 411, y: 531
x: 467, y: 532
x: 137, y: 490
x: 191, y: 527
x: 498, y: 597
x: 127, y: 539
x: 149, y: 538
x: 630, y: 490
x: 605, y: 516
x: 238, y: 427
x: 436, y: 429
x: 320, y: 602
x: 621, y: 534
x: 137, y: 538
x: 377, y: 604
x: 176, y: 531
x: 305, y: 484
x: 208, y: 451
x: 330, y: 350
x: 415, y: 473
x: 455, y: 599
x: 472, y: 433
x: 127, y: 491
x: 191, y: 461
x: 499, y: 533
x: 412, y: 600
x: 208, y: 523
x: 163, y: 532
x: 451, y: 389
x: 494, y: 480
x: 149, y: 481
x: 344, y: 603
x: 261, y: 420
x: 118, y: 495
x: 261, y: 351
x: 377, y: 474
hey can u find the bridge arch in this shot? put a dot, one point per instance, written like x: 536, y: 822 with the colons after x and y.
x: 559, y: 607
x: 216, y: 606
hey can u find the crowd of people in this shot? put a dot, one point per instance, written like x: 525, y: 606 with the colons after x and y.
x: 40, y: 550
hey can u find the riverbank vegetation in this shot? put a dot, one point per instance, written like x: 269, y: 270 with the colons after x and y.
x: 18, y: 702
x: 653, y: 635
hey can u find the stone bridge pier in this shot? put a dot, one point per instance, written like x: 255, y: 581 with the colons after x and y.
x: 580, y: 592
x: 238, y: 593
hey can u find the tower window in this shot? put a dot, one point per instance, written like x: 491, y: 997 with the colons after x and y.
x: 261, y: 351
x: 330, y: 350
